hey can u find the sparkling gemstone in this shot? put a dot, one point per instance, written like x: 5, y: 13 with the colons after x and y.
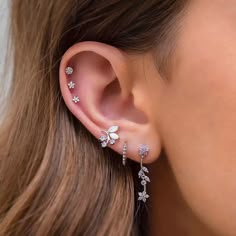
x: 71, y: 85
x: 103, y: 138
x: 143, y: 150
x: 69, y: 70
x: 75, y: 99
x: 104, y: 144
x: 112, y: 141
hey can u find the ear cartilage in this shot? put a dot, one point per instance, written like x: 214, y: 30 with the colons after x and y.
x: 143, y: 152
x: 75, y: 99
x: 71, y: 85
x: 69, y: 70
x: 109, y: 136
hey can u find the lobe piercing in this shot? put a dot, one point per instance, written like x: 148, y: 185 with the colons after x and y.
x: 69, y: 70
x: 143, y: 152
x: 110, y: 136
x: 124, y: 153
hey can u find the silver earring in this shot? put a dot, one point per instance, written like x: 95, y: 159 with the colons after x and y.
x: 75, y: 99
x: 110, y: 136
x: 124, y: 153
x: 69, y: 70
x: 71, y: 85
x: 143, y: 152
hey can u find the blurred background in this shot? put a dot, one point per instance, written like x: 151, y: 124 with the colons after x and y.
x: 4, y: 14
x: 4, y: 79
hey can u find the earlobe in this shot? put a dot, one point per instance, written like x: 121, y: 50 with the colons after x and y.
x: 97, y: 84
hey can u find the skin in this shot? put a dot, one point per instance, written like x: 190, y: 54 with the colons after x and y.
x: 191, y: 116
x: 199, y: 116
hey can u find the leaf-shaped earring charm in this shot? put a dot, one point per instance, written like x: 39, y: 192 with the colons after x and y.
x: 109, y: 136
x: 143, y: 152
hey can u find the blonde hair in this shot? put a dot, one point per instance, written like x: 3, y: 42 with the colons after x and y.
x: 55, y: 178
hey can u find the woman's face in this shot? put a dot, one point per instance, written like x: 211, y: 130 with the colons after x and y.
x: 197, y: 112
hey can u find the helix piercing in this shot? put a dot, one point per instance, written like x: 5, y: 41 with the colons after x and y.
x: 69, y: 70
x: 143, y: 152
x: 75, y: 99
x: 124, y: 153
x: 110, y: 136
x: 71, y: 85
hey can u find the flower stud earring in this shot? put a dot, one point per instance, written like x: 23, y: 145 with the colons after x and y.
x: 69, y: 70
x: 143, y: 152
x: 75, y: 99
x: 110, y: 136
x: 71, y: 85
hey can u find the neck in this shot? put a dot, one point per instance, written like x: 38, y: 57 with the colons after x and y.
x: 170, y: 214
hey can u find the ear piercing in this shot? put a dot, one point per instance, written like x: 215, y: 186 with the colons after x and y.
x: 110, y: 136
x: 143, y: 152
x: 75, y: 99
x: 124, y: 153
x: 71, y: 85
x: 69, y: 70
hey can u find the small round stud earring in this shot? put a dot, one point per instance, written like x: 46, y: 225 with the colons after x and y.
x: 69, y: 70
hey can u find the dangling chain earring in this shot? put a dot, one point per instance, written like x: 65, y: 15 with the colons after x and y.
x: 143, y: 152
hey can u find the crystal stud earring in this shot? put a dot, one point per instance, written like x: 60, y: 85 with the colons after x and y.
x: 109, y: 136
x: 143, y: 152
x: 71, y: 85
x: 75, y: 99
x: 69, y: 70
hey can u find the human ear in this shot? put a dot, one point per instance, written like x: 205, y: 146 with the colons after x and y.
x: 105, y: 89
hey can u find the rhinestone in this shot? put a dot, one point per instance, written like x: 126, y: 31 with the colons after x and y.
x: 112, y: 141
x: 104, y: 144
x: 75, y: 99
x: 103, y: 138
x: 69, y: 70
x: 71, y: 85
x: 143, y: 150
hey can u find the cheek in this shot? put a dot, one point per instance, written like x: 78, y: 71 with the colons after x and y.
x: 199, y: 130
x: 198, y: 126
